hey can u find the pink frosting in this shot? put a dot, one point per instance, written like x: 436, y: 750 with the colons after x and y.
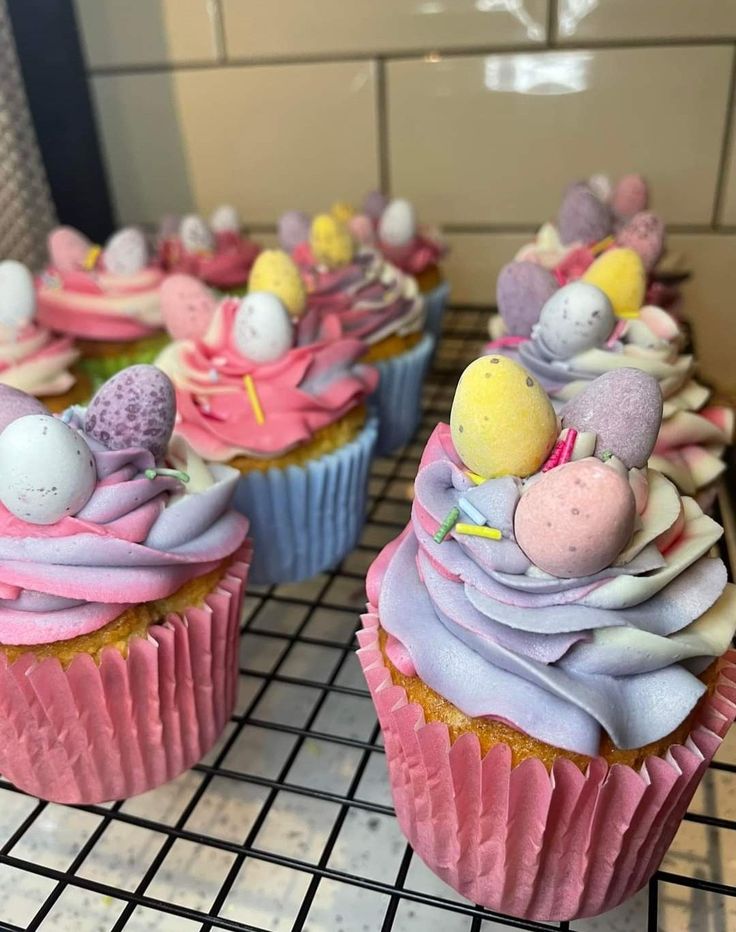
x: 305, y: 390
x: 228, y: 267
x: 35, y: 361
x: 424, y: 252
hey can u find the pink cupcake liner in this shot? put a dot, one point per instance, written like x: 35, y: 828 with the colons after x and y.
x: 97, y: 732
x: 519, y: 840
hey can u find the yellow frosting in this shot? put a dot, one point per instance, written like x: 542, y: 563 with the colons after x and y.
x: 275, y: 271
x: 621, y: 275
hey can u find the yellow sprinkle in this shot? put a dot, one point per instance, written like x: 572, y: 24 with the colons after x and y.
x: 474, y: 477
x: 90, y: 260
x: 475, y: 530
x: 599, y: 247
x: 253, y: 398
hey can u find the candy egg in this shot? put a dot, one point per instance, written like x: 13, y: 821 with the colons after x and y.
x: 342, y: 211
x: 582, y: 217
x: 576, y: 318
x: 126, y: 252
x: 620, y: 273
x: 68, y: 249
x: 398, y: 223
x: 225, y: 219
x: 17, y: 296
x: 624, y: 408
x: 502, y: 421
x: 374, y: 204
x: 293, y: 229
x: 169, y: 226
x: 187, y: 307
x: 522, y: 290
x: 645, y: 234
x: 361, y: 229
x: 275, y: 271
x: 262, y: 329
x: 630, y: 196
x: 195, y: 235
x: 330, y: 242
x: 135, y: 408
x: 47, y: 471
x: 15, y: 403
x: 575, y: 519
x: 601, y: 186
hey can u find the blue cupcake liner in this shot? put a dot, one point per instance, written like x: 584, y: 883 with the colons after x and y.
x: 435, y: 302
x: 398, y: 399
x: 305, y: 519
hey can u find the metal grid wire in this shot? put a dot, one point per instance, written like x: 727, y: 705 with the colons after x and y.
x: 288, y: 824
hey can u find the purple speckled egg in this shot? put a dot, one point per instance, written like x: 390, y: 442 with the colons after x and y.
x: 294, y: 228
x: 374, y: 204
x: 15, y: 403
x: 136, y: 408
x: 624, y: 408
x: 522, y: 290
x: 576, y: 519
x: 645, y: 234
x: 583, y: 218
x: 630, y: 196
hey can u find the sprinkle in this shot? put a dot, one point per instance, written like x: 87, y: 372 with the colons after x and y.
x: 471, y: 511
x: 446, y: 526
x: 606, y: 455
x: 601, y: 245
x: 472, y: 530
x: 90, y: 260
x: 474, y: 477
x: 502, y: 342
x: 554, y: 457
x: 253, y: 398
x: 566, y: 455
x: 617, y: 332
x: 160, y: 471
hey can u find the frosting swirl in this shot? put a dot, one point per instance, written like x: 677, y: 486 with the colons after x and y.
x: 33, y: 360
x: 227, y: 266
x: 424, y: 252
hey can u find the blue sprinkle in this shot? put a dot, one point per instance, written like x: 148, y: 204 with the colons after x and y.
x: 472, y: 512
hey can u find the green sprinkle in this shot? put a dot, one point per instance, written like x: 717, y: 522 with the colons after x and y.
x: 447, y: 525
x: 176, y: 473
x: 606, y: 455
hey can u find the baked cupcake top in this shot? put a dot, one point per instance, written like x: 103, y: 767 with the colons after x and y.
x: 31, y: 357
x: 547, y: 577
x: 98, y: 511
x: 217, y: 253
x: 97, y: 293
x: 243, y: 386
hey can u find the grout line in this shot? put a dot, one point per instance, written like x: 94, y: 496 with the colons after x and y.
x: 382, y: 137
x: 726, y: 153
x: 552, y: 22
x: 214, y: 12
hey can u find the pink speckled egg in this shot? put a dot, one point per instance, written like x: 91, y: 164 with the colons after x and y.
x: 187, y: 307
x: 630, y: 195
x: 575, y: 519
x: 361, y: 229
x: 68, y: 249
x: 644, y: 233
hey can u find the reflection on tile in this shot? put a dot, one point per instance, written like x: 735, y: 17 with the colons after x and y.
x: 266, y: 895
x: 508, y: 166
x: 347, y: 26
x: 342, y: 906
x: 580, y: 20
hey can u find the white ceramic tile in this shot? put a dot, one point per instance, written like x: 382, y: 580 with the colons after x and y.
x: 311, y: 662
x: 340, y: 906
x: 346, y: 716
x: 56, y: 837
x: 82, y: 910
x: 297, y: 826
x: 14, y: 808
x: 151, y: 920
x: 285, y: 704
x: 166, y: 803
x: 374, y: 786
x: 370, y: 845
x: 266, y: 895
x: 261, y: 653
x: 416, y: 917
x: 121, y: 857
x: 331, y: 624
x: 260, y: 751
x: 281, y: 617
x: 191, y: 875
x: 584, y: 20
x: 324, y: 766
x: 22, y: 894
x: 228, y: 809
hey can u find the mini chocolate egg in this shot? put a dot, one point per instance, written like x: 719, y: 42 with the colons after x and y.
x: 620, y: 273
x: 262, y: 329
x: 522, y: 290
x: 645, y: 234
x: 187, y: 306
x: 330, y: 242
x: 630, y: 196
x: 17, y: 295
x: 274, y: 270
x: 69, y: 250
x: 582, y: 217
x: 225, y: 219
x: 126, y: 252
x: 15, y: 403
x: 576, y: 318
x: 195, y: 235
x: 398, y: 223
x: 361, y: 229
x: 575, y: 519
x: 293, y: 229
x: 47, y: 471
x: 374, y: 204
x: 135, y: 408
x: 602, y: 186
x: 342, y: 211
x: 502, y: 422
x: 624, y: 408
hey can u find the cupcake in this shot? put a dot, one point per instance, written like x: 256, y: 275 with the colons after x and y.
x: 217, y: 253
x: 547, y: 646
x: 575, y: 337
x: 292, y: 419
x: 378, y: 304
x: 122, y: 579
x: 33, y: 359
x: 106, y: 298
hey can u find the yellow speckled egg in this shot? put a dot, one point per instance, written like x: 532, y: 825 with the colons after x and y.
x: 502, y: 422
x: 342, y: 211
x: 275, y: 271
x: 620, y: 273
x: 330, y: 241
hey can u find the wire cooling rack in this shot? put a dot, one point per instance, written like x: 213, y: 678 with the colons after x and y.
x: 287, y: 826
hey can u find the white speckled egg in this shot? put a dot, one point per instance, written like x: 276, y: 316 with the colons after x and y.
x: 195, y: 235
x: 17, y: 297
x: 262, y: 330
x: 126, y: 252
x: 225, y: 219
x: 398, y: 225
x: 576, y: 318
x: 47, y: 471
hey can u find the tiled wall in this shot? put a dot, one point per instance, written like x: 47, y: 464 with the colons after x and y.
x: 479, y: 110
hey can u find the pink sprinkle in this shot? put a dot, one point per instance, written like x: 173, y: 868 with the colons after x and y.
x: 554, y: 457
x: 616, y: 333
x: 566, y: 456
x: 501, y: 342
